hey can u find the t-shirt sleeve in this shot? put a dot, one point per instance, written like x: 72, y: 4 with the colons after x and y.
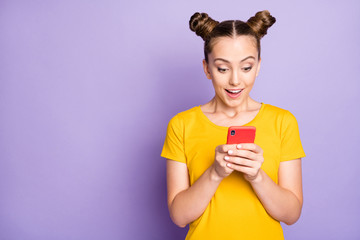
x: 174, y: 141
x: 291, y: 147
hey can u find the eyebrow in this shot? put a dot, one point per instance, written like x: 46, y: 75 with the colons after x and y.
x: 224, y: 60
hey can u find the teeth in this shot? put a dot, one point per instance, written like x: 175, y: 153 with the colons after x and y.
x: 234, y: 91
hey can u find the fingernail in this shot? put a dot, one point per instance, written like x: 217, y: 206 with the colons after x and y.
x: 228, y: 164
x: 238, y: 146
x: 230, y: 151
x: 226, y: 158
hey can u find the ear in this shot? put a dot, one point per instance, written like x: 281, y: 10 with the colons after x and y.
x: 258, y: 67
x: 206, y: 69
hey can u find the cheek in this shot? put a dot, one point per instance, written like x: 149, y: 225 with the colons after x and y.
x: 218, y: 86
x: 249, y: 80
x: 219, y: 79
x: 252, y: 75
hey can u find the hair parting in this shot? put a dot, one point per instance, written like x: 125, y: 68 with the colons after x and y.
x: 209, y: 29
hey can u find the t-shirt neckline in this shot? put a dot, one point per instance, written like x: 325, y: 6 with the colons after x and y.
x: 204, y: 117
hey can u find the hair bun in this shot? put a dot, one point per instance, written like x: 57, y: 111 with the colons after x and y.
x: 202, y: 24
x: 261, y: 22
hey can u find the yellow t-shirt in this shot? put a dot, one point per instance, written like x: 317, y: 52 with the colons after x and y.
x: 234, y: 211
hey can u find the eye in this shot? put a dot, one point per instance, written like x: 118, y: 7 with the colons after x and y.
x: 247, y: 69
x: 222, y: 70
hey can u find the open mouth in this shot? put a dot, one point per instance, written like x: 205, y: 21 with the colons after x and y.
x: 233, y: 93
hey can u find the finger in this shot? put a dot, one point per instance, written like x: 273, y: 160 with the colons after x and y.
x: 239, y: 168
x: 244, y: 154
x: 225, y: 168
x: 226, y: 147
x: 246, y: 170
x: 241, y: 161
x: 250, y: 146
x: 228, y: 170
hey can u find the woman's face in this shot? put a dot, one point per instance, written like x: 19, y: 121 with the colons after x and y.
x: 233, y: 66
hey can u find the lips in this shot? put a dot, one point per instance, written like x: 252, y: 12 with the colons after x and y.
x: 233, y: 93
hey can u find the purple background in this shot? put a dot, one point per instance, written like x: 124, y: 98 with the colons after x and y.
x: 87, y: 89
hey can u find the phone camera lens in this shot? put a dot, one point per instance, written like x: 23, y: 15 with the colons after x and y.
x: 232, y: 132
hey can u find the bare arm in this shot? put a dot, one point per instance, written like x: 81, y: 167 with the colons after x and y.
x: 282, y: 201
x: 187, y: 203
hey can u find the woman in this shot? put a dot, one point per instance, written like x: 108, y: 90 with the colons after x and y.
x: 233, y: 191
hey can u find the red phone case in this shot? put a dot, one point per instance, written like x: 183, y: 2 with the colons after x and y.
x: 241, y: 134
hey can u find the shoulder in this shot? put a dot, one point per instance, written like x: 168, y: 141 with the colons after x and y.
x: 187, y: 115
x: 280, y: 118
x: 182, y: 118
x: 271, y: 110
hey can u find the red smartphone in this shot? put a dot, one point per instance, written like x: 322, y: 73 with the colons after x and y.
x: 241, y: 134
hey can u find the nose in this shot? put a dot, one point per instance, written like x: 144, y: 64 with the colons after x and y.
x: 235, y: 78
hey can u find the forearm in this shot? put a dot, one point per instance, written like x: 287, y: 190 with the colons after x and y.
x: 280, y: 203
x: 189, y: 204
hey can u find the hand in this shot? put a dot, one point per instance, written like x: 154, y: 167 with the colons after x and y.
x: 246, y: 158
x: 219, y: 165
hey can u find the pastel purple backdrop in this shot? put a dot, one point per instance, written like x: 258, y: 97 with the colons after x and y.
x: 87, y: 89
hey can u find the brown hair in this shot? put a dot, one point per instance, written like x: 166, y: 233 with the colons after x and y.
x: 209, y: 29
